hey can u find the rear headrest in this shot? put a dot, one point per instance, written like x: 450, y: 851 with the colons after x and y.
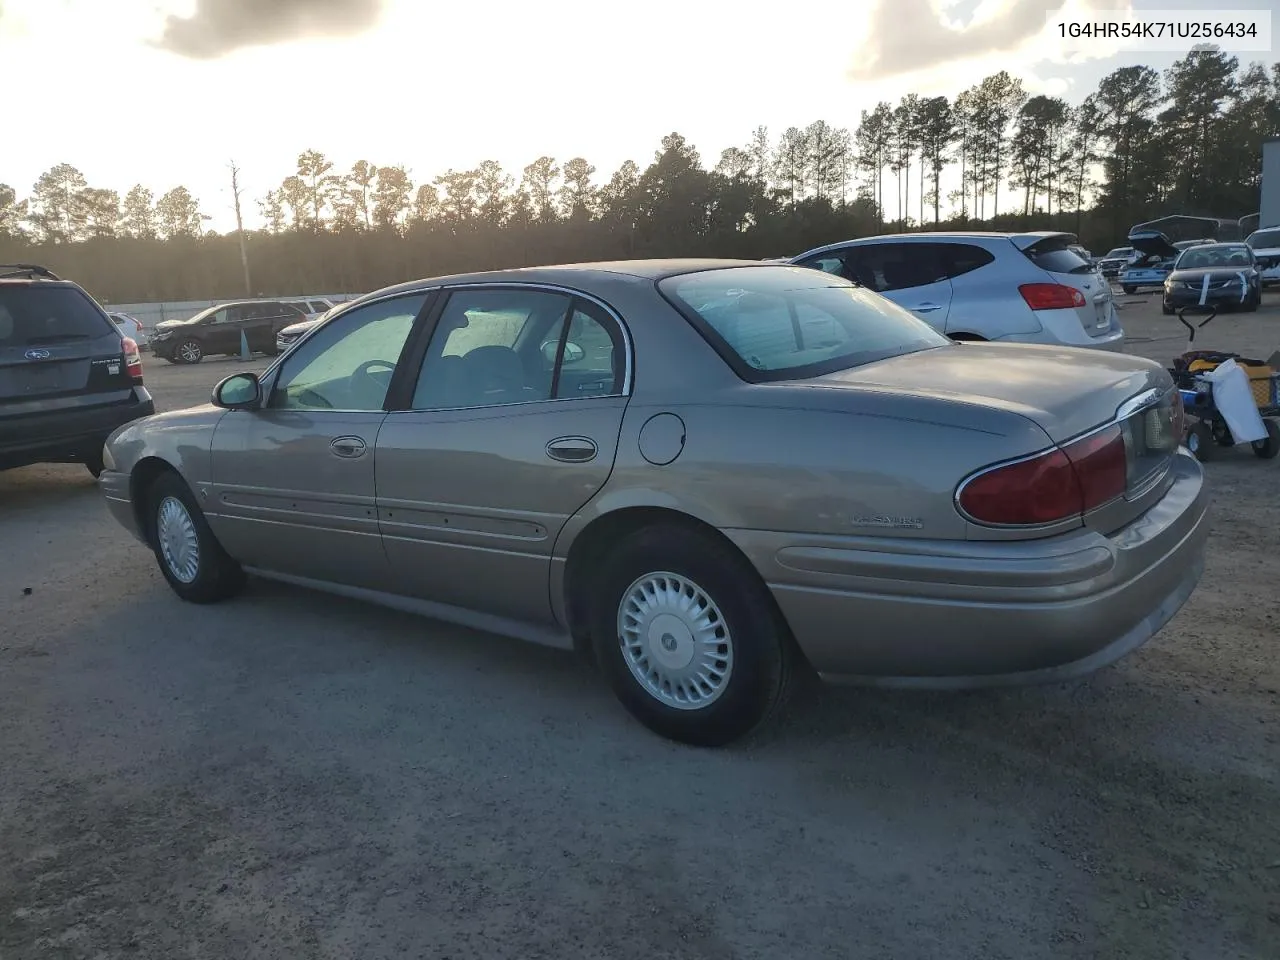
x: 496, y: 363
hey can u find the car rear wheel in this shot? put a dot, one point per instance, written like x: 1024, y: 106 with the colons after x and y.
x: 688, y: 636
x: 1128, y: 289
x: 189, y: 351
x: 1268, y: 448
x: 190, y: 556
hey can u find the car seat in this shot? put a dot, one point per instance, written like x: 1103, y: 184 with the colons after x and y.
x: 496, y: 375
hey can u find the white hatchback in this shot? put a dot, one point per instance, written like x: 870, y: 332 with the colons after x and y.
x: 1007, y: 287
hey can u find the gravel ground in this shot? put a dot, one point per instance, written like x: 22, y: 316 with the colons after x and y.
x: 296, y: 776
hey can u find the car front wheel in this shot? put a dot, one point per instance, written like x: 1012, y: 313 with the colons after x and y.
x: 688, y: 636
x: 189, y: 351
x: 190, y: 556
x: 1129, y: 289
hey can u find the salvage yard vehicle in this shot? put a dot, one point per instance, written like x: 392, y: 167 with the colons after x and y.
x: 68, y: 377
x: 1265, y: 244
x: 1116, y: 260
x: 218, y: 330
x: 1157, y: 255
x: 702, y: 474
x: 1219, y: 275
x: 1011, y: 287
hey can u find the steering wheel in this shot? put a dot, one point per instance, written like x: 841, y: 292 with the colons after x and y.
x: 364, y: 370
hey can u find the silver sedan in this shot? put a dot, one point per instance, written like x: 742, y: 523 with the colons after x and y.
x: 701, y: 474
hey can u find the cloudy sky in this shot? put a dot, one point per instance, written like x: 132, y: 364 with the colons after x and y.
x: 166, y: 92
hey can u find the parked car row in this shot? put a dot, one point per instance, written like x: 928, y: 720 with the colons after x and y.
x: 705, y: 475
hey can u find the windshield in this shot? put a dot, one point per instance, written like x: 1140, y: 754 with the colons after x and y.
x: 1198, y: 258
x: 1264, y: 239
x: 31, y: 315
x: 778, y: 323
x: 1120, y: 252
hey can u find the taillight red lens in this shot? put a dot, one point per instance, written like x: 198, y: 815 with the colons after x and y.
x: 1102, y: 466
x: 1051, y: 296
x: 132, y: 359
x: 1057, y: 485
x: 1040, y: 490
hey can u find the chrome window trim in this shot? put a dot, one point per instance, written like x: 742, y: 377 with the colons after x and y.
x: 273, y: 369
x: 1135, y: 404
x: 627, y: 343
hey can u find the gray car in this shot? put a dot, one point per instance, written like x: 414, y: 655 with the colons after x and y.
x: 1012, y: 287
x: 703, y: 474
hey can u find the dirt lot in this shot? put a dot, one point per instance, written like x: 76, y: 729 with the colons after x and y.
x: 295, y: 776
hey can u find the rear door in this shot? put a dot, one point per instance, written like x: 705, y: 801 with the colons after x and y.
x: 58, y: 351
x: 511, y: 427
x: 912, y: 275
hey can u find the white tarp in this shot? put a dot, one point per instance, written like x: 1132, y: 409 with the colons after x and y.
x: 1234, y: 400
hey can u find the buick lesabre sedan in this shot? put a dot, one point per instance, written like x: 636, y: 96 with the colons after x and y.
x: 702, y: 474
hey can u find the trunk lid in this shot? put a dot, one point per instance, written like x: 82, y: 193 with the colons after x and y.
x: 1065, y: 391
x: 1153, y: 243
x: 54, y: 343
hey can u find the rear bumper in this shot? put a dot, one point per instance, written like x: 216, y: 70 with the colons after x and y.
x: 69, y: 434
x: 958, y: 614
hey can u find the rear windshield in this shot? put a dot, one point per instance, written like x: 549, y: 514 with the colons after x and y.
x: 1057, y: 258
x: 35, y: 314
x: 780, y: 323
x: 1264, y: 239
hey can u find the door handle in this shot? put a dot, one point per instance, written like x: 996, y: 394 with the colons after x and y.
x: 926, y: 307
x: 348, y: 447
x: 572, y: 449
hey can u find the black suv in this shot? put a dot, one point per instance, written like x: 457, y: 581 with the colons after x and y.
x: 218, y: 329
x: 68, y: 377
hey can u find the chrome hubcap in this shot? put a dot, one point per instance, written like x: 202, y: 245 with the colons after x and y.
x: 190, y: 352
x: 675, y: 641
x: 179, y: 544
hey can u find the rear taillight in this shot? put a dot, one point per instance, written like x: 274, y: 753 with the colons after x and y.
x: 1051, y: 296
x: 1063, y: 483
x: 132, y: 359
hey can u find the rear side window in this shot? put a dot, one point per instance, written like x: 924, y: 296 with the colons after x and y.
x: 35, y: 314
x: 780, y: 323
x: 961, y: 258
x: 1057, y: 258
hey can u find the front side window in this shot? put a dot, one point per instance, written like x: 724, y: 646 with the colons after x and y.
x: 489, y: 349
x: 830, y: 262
x: 349, y: 363
x: 777, y: 323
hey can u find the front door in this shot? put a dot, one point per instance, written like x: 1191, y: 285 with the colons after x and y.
x: 912, y: 275
x: 512, y: 427
x: 293, y: 482
x: 222, y: 333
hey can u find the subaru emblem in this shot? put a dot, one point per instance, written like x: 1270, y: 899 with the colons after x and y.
x: 38, y: 354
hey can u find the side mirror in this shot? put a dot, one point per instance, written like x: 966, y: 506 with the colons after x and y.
x: 240, y: 391
x: 572, y: 352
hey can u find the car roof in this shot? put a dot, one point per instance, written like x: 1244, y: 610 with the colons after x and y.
x: 579, y: 274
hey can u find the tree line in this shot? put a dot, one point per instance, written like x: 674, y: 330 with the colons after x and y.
x: 1140, y: 146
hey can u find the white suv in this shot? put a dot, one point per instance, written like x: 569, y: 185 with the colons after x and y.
x: 1265, y: 244
x: 1010, y: 287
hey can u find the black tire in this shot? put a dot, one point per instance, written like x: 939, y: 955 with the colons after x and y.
x: 1129, y: 290
x: 1268, y: 448
x: 217, y: 577
x: 1166, y: 309
x: 1254, y: 303
x: 1200, y: 441
x: 760, y: 653
x: 189, y: 351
